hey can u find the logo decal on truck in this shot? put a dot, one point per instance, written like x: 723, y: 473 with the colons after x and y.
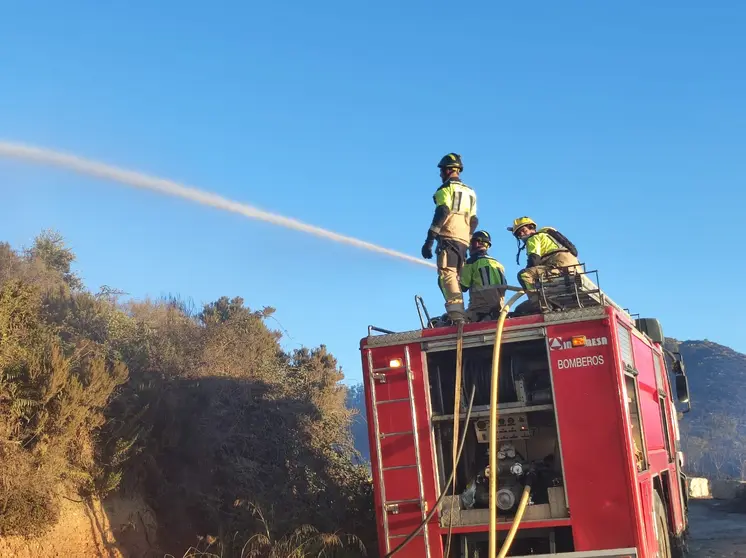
x: 580, y: 362
x: 555, y: 343
x: 558, y: 344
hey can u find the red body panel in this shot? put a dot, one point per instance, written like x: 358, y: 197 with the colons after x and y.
x: 592, y: 438
x: 651, y: 417
x: 610, y: 502
x: 646, y: 515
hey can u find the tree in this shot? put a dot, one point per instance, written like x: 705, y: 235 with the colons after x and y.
x: 49, y: 247
x: 225, y: 309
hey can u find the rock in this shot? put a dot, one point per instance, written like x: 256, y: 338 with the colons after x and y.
x: 699, y: 487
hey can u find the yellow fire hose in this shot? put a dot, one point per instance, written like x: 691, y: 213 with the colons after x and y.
x: 456, y: 421
x: 493, y: 444
x: 458, y: 447
x: 516, y: 521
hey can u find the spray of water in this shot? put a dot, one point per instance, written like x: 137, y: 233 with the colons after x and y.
x: 39, y: 155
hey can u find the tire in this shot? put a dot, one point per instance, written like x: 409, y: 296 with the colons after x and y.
x: 662, y: 536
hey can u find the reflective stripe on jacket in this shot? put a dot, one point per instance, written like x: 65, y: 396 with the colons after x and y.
x: 461, y: 202
x: 482, y: 272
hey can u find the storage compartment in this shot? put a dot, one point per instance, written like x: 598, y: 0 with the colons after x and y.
x: 528, y: 442
x: 524, y: 376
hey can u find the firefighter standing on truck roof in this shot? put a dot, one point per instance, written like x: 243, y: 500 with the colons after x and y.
x: 482, y: 276
x: 454, y: 222
x: 547, y: 250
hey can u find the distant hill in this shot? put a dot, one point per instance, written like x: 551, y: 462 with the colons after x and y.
x: 713, y: 433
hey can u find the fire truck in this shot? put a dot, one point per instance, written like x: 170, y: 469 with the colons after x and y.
x: 585, y: 459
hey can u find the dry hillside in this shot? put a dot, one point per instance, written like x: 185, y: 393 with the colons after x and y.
x: 714, y: 431
x: 233, y: 443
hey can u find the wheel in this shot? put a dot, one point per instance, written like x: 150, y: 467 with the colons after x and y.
x: 660, y: 518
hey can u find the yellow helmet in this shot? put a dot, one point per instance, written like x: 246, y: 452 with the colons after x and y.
x: 521, y: 222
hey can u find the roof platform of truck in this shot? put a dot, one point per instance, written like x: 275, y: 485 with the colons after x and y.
x: 566, y: 297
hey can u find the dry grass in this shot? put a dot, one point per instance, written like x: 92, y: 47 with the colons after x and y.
x: 304, y: 541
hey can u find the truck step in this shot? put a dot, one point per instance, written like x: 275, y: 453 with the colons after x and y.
x: 390, y: 434
x: 392, y: 401
x: 392, y: 506
x: 410, y: 501
x: 402, y: 535
x: 387, y: 369
x: 397, y: 467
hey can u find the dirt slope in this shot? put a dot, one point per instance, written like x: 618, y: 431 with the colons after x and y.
x: 118, y: 528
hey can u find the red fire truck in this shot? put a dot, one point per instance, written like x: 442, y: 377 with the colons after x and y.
x: 586, y: 417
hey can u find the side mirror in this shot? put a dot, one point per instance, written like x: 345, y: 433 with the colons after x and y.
x: 682, y: 382
x: 679, y: 368
x: 682, y: 388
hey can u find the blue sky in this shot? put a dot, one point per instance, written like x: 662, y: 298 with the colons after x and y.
x: 620, y: 124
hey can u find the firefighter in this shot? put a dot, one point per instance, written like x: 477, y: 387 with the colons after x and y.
x: 548, y: 252
x: 482, y: 276
x: 453, y: 224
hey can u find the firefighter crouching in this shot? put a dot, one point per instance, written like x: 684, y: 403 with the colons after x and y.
x: 548, y: 251
x: 454, y: 222
x: 482, y: 277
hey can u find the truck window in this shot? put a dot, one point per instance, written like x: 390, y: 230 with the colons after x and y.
x: 625, y: 348
x: 633, y: 404
x: 662, y: 397
x: 659, y: 375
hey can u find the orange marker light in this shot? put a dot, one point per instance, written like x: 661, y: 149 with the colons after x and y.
x: 578, y: 341
x: 396, y: 363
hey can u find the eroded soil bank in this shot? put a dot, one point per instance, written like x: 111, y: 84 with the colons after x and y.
x: 118, y: 528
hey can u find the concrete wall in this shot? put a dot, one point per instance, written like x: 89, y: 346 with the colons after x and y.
x: 727, y: 490
x: 699, y: 487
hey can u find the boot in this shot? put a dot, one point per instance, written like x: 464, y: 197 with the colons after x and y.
x: 456, y: 312
x: 440, y: 321
x: 530, y: 306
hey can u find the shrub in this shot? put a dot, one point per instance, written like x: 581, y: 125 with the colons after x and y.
x: 51, y: 407
x: 201, y: 412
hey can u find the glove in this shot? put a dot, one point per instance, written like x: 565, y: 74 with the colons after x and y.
x: 427, y: 249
